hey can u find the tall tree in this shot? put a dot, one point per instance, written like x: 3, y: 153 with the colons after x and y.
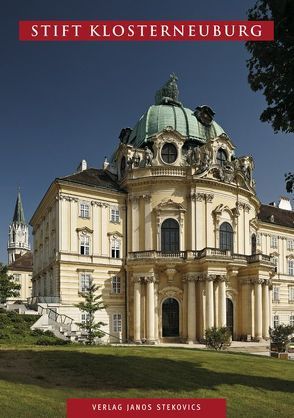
x: 8, y: 288
x: 91, y: 304
x: 271, y: 65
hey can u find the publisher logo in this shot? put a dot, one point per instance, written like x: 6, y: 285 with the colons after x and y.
x: 158, y: 408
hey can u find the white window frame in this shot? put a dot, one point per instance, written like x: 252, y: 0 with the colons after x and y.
x: 85, y: 281
x: 117, y: 322
x: 258, y: 239
x: 291, y: 267
x: 85, y: 316
x: 276, y: 321
x: 275, y: 260
x: 276, y: 294
x: 274, y: 241
x: 16, y: 277
x: 115, y: 215
x: 84, y: 210
x: 291, y: 320
x: 291, y: 293
x: 290, y: 244
x: 85, y: 244
x: 115, y: 247
x: 116, y: 285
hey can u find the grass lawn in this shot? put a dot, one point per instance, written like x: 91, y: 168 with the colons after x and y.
x: 36, y: 381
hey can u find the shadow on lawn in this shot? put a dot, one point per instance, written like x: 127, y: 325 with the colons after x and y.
x: 100, y: 371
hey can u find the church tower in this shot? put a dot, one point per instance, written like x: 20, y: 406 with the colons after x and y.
x: 18, y: 241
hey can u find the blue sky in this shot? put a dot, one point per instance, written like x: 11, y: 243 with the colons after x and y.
x: 63, y: 102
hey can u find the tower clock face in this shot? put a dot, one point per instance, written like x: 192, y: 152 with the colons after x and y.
x: 169, y: 153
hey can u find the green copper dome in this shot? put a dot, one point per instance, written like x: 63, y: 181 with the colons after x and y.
x: 168, y: 111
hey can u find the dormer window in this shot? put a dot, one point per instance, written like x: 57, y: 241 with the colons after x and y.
x: 221, y: 157
x: 169, y: 153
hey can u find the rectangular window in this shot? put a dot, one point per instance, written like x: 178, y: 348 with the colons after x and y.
x: 290, y: 244
x: 276, y: 321
x: 291, y: 320
x: 275, y: 261
x: 84, y: 210
x: 115, y: 285
x: 117, y: 322
x: 291, y: 294
x: 276, y: 294
x: 115, y: 248
x: 16, y: 278
x: 85, y: 316
x: 85, y: 245
x: 274, y: 241
x: 114, y: 215
x: 258, y: 239
x: 291, y: 267
x: 85, y: 281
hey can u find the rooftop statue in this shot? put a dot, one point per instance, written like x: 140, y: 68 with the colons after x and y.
x: 169, y: 92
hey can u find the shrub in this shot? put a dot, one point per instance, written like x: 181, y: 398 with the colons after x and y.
x: 281, y: 336
x: 36, y: 332
x: 45, y: 340
x: 218, y: 338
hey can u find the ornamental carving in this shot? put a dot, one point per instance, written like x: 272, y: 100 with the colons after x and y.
x: 137, y: 279
x: 147, y: 197
x: 191, y: 277
x: 67, y: 198
x: 150, y: 279
x: 95, y: 203
x: 208, y: 197
x: 171, y: 292
x: 170, y: 205
x: 257, y: 281
x: 218, y: 211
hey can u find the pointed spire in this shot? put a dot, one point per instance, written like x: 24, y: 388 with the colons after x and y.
x: 18, y: 211
x: 169, y: 92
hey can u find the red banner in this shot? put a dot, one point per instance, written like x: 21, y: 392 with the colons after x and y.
x: 109, y: 30
x: 143, y: 408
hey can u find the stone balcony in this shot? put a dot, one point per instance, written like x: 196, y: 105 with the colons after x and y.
x: 205, y: 253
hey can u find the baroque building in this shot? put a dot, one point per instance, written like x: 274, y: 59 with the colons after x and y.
x: 20, y: 259
x: 173, y: 232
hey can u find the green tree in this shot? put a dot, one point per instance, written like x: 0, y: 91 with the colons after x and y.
x: 281, y: 336
x: 289, y: 179
x: 8, y: 288
x: 271, y: 65
x: 91, y: 304
x: 218, y: 338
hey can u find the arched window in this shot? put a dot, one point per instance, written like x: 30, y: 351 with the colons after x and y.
x: 226, y: 236
x: 253, y: 244
x: 221, y: 157
x: 169, y: 153
x: 170, y: 236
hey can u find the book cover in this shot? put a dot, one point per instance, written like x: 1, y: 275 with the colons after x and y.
x: 147, y: 242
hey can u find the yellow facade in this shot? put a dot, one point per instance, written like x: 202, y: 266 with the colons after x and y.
x: 168, y: 231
